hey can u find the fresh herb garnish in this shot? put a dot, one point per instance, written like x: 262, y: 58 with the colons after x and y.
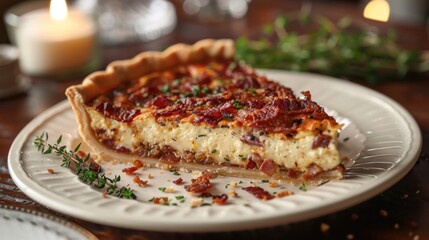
x: 87, y: 171
x: 180, y: 198
x: 196, y: 90
x: 303, y: 187
x: 252, y: 90
x: 237, y: 105
x: 162, y: 189
x: 228, y: 115
x: 175, y: 172
x: 333, y: 48
x: 205, y: 90
x: 165, y: 89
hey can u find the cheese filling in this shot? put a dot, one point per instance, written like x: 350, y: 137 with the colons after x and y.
x: 223, y: 145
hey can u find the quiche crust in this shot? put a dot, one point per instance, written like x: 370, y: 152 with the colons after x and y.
x: 137, y: 139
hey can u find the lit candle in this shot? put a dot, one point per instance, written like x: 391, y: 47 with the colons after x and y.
x: 55, y: 40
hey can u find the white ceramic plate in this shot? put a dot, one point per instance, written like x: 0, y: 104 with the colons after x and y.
x: 380, y: 137
x: 19, y: 223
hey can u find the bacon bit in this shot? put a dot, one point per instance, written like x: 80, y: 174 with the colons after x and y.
x: 291, y: 173
x: 149, y: 176
x: 259, y: 193
x: 138, y: 164
x: 307, y: 95
x: 312, y: 171
x: 161, y: 102
x: 209, y: 174
x: 263, y: 115
x: 199, y: 185
x: 169, y: 156
x: 160, y: 200
x: 120, y: 114
x: 283, y: 194
x: 251, y: 139
x: 257, y: 159
x: 256, y: 104
x: 51, y: 171
x: 220, y: 199
x: 321, y: 140
x: 251, y: 165
x: 178, y: 181
x: 129, y: 170
x: 139, y: 182
x: 269, y: 167
x: 122, y: 150
x: 105, y: 194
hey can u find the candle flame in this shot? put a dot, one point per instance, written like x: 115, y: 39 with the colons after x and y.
x: 378, y: 10
x: 58, y: 9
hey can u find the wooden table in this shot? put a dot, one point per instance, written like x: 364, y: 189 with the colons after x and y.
x: 401, y: 212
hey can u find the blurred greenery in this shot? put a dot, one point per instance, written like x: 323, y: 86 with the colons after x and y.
x: 332, y: 48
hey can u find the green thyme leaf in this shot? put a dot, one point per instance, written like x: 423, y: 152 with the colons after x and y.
x: 85, y: 169
x: 303, y: 187
x: 333, y: 48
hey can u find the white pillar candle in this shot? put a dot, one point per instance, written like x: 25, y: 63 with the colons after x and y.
x: 50, y: 46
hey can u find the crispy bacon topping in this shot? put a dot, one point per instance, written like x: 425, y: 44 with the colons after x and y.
x: 138, y: 164
x: 269, y: 167
x: 120, y: 114
x: 169, y: 156
x: 178, y: 181
x: 251, y: 139
x: 251, y: 165
x: 139, y: 182
x: 212, y: 94
x: 259, y: 193
x: 321, y: 140
x: 312, y: 171
x: 220, y: 199
x: 199, y: 185
x: 129, y: 170
x: 160, y: 200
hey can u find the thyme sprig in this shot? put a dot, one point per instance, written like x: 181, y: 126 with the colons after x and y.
x: 88, y: 171
x: 343, y: 49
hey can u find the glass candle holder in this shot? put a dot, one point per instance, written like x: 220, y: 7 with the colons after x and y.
x: 53, y: 47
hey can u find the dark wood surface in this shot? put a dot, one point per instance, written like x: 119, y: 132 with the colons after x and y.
x: 401, y: 212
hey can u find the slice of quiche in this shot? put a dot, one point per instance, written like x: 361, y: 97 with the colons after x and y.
x: 195, y: 107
